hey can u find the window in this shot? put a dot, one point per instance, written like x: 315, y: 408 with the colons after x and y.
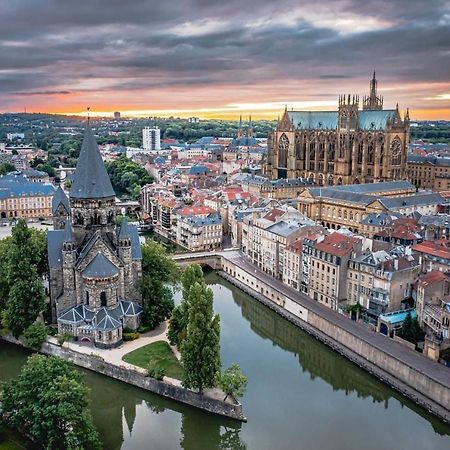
x: 87, y: 298
x: 103, y: 299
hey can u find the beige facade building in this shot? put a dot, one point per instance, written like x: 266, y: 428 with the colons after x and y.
x: 328, y: 269
x: 429, y: 172
x: 20, y: 197
x: 339, y: 206
x: 200, y: 233
x: 341, y: 147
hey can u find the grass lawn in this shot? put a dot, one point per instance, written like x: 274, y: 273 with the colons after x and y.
x: 158, y: 354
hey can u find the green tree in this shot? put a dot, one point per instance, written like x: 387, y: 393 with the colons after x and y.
x: 411, y: 330
x: 200, y: 351
x: 26, y: 291
x: 35, y: 335
x: 233, y: 382
x: 180, y: 315
x: 158, y: 270
x: 6, y: 167
x: 49, y: 401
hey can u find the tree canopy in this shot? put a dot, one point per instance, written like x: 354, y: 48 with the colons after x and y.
x: 48, y: 400
x: 180, y: 315
x: 127, y: 177
x: 23, y: 264
x: 6, y: 167
x: 200, y: 351
x: 158, y: 270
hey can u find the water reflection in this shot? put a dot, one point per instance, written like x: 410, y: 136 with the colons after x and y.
x: 318, y: 360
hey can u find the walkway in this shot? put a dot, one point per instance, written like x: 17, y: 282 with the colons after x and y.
x: 114, y: 355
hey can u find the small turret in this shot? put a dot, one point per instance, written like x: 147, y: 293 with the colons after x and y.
x: 250, y: 128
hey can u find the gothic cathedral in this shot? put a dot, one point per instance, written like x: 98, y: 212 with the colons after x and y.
x: 341, y: 147
x: 95, y: 266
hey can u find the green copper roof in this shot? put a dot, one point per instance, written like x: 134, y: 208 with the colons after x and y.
x: 328, y: 120
x: 91, y: 179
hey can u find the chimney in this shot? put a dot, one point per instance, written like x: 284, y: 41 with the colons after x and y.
x: 396, y: 263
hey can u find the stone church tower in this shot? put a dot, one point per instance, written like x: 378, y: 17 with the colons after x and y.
x: 95, y: 266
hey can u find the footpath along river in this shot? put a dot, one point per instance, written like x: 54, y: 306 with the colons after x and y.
x: 301, y: 395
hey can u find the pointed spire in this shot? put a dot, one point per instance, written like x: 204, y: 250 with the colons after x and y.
x: 68, y: 233
x: 91, y: 179
x: 407, y: 115
x: 59, y: 198
x: 124, y: 231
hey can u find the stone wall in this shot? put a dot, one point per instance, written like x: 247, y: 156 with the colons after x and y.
x: 410, y: 380
x: 137, y: 378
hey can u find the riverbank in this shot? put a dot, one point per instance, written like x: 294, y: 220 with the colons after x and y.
x: 172, y: 389
x: 425, y: 382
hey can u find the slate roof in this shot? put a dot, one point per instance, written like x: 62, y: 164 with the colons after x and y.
x: 198, y: 170
x: 430, y: 159
x: 428, y: 198
x: 55, y: 239
x: 369, y: 188
x: 91, y: 179
x: 124, y: 230
x: 60, y: 198
x: 104, y: 319
x: 14, y: 186
x: 136, y: 252
x: 100, y: 267
x: 328, y: 120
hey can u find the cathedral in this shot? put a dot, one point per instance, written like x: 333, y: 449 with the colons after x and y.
x: 95, y: 265
x: 347, y: 146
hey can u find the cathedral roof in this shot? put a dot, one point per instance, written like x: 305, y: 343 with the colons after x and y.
x: 55, y: 240
x: 100, y: 267
x: 328, y: 120
x: 91, y: 179
x: 60, y: 198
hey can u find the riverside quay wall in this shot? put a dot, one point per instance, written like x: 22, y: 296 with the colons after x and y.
x: 425, y: 382
x: 138, y: 378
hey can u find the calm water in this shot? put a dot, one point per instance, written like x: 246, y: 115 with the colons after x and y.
x: 301, y: 395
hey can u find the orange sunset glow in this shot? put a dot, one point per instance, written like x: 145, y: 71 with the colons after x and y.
x: 222, y: 61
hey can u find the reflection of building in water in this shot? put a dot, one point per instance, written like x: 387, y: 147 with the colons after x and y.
x: 314, y: 357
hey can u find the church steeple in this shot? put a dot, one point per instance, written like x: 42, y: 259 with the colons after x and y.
x: 92, y: 197
x: 373, y: 101
x: 240, y: 132
x: 91, y: 181
x: 250, y: 127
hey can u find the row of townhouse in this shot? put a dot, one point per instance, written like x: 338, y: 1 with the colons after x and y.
x: 195, y: 227
x: 337, y: 269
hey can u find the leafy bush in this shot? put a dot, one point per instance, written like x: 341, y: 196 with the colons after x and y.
x: 35, y: 335
x: 233, y: 382
x: 52, y: 331
x: 156, y: 372
x: 144, y: 329
x: 130, y: 336
x: 61, y: 338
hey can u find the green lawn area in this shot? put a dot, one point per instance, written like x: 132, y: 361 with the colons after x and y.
x: 158, y: 354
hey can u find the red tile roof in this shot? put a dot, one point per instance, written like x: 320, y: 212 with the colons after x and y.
x: 274, y: 214
x: 337, y: 244
x: 435, y: 276
x: 440, y: 248
x: 196, y: 211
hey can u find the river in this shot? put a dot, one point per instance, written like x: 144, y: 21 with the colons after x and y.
x: 301, y: 395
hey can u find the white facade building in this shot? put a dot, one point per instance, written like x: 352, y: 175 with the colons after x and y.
x: 151, y: 138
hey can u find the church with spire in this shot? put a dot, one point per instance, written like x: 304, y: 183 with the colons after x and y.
x: 95, y: 267
x: 349, y: 146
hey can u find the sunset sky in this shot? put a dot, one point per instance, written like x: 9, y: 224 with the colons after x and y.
x: 222, y: 58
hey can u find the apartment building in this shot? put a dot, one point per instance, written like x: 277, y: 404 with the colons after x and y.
x: 199, y: 233
x: 380, y: 281
x: 328, y: 268
x: 435, y: 255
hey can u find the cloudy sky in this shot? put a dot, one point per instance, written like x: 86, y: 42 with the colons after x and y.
x: 221, y: 58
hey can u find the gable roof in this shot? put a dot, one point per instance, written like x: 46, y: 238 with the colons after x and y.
x: 60, y: 197
x: 100, y: 267
x: 91, y: 179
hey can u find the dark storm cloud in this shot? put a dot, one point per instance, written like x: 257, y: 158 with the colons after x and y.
x: 53, y: 45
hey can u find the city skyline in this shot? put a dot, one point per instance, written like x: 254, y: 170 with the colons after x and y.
x: 220, y: 60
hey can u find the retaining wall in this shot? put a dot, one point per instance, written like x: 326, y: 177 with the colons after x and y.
x: 136, y: 378
x: 412, y: 381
